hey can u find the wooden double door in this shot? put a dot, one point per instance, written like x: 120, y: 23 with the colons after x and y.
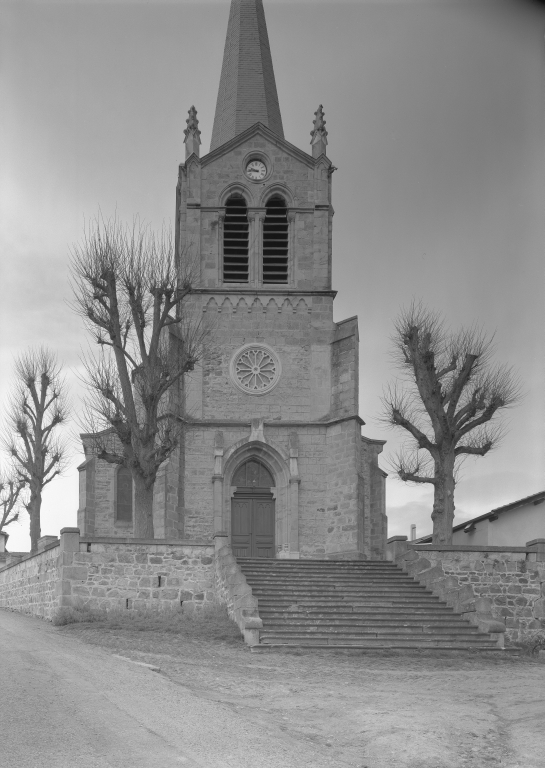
x: 252, y: 523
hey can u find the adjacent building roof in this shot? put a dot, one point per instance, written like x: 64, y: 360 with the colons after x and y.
x: 493, y: 514
x: 247, y: 92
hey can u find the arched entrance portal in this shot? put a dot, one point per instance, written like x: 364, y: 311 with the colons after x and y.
x: 252, y: 511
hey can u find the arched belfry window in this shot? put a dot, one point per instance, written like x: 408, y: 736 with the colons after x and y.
x: 235, y: 240
x: 124, y: 495
x: 275, y: 241
x: 253, y: 474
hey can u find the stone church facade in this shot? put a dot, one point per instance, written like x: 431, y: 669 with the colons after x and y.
x: 272, y: 455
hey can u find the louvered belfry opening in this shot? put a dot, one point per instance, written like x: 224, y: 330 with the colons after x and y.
x: 235, y: 240
x: 275, y: 241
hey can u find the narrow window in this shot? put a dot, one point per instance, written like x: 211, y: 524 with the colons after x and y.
x: 275, y: 241
x: 235, y: 241
x: 124, y: 495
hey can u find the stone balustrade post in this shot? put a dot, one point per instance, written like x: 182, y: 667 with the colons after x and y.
x: 537, y: 546
x: 69, y: 540
x: 396, y: 547
x: 220, y: 540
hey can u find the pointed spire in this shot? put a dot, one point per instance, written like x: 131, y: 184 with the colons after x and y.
x: 319, y: 133
x: 247, y: 92
x: 192, y: 134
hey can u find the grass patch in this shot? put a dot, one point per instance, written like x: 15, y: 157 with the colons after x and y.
x: 77, y: 614
x: 211, y: 623
x: 531, y: 644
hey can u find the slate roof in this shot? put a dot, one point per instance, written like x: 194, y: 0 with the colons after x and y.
x: 535, y: 499
x: 247, y: 91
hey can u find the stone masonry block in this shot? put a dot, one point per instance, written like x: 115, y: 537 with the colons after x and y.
x: 431, y: 575
x: 417, y: 566
x: 63, y: 588
x: 483, y: 604
x: 253, y: 623
x: 75, y: 572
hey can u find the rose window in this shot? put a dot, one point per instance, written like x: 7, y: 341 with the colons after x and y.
x: 255, y: 369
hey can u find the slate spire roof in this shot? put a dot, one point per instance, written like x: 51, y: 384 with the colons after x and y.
x: 247, y: 92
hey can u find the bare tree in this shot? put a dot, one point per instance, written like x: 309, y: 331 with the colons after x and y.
x: 36, y: 410
x: 11, y: 487
x: 131, y: 294
x: 447, y: 401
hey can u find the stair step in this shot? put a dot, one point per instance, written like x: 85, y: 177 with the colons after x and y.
x: 353, y: 605
x: 419, y: 614
x: 340, y: 594
x: 305, y: 600
x: 378, y: 641
x: 360, y: 648
x: 361, y: 631
x: 394, y: 581
x: 418, y: 626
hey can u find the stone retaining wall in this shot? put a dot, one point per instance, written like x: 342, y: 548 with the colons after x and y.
x: 30, y: 585
x: 110, y: 573
x: 114, y: 573
x: 500, y: 589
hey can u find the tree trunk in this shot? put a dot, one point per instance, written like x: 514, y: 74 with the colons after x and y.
x: 143, y: 508
x: 34, y: 508
x: 443, y: 500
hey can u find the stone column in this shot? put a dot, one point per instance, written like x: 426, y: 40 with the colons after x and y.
x: 255, y: 251
x: 294, y: 517
x: 217, y: 484
x: 292, y: 532
x: 291, y: 246
x: 221, y: 219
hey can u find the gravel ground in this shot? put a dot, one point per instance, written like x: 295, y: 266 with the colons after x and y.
x: 374, y: 710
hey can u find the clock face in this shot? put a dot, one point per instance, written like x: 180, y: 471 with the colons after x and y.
x: 256, y: 170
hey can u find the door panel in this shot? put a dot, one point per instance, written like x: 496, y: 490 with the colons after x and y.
x: 252, y: 527
x: 241, y: 527
x: 263, y: 528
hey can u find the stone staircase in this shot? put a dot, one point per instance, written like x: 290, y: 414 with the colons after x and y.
x: 335, y: 604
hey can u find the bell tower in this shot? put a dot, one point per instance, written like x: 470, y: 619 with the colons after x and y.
x: 276, y: 391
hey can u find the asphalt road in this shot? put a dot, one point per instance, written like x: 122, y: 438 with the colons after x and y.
x: 64, y: 704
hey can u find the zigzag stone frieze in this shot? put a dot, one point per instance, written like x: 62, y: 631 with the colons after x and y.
x: 258, y: 304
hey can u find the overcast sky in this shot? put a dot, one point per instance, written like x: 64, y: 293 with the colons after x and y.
x: 435, y: 111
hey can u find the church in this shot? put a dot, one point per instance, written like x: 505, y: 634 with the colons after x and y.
x: 273, y: 455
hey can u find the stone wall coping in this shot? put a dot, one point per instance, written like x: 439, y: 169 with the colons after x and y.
x: 465, y: 548
x: 396, y: 538
x: 29, y: 556
x: 160, y: 542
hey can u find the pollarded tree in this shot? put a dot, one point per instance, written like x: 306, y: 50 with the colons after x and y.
x: 132, y: 297
x: 448, y: 402
x: 11, y: 487
x: 37, y: 409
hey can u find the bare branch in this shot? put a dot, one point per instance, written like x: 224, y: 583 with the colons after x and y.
x: 448, y: 402
x: 129, y: 291
x: 38, y: 407
x: 11, y: 488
